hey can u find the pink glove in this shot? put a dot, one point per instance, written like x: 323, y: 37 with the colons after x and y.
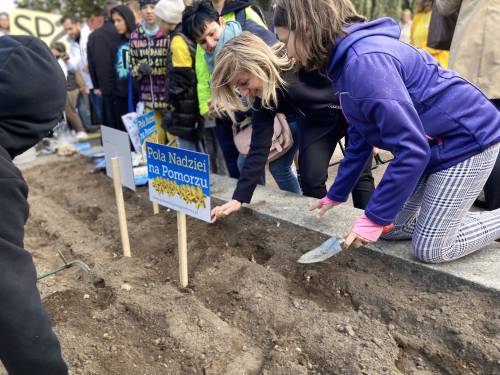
x: 369, y: 230
x: 326, y: 201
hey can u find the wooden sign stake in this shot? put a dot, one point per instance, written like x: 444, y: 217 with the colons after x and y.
x: 120, y: 204
x: 156, y: 206
x: 182, y: 239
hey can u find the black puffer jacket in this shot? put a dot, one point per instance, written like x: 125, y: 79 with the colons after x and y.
x: 33, y: 94
x: 181, y: 117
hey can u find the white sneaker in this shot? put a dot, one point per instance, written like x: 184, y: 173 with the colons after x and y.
x: 81, y: 136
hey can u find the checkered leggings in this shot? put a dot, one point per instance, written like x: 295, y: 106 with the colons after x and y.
x: 437, y: 219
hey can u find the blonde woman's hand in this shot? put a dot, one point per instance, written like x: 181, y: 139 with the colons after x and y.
x: 323, y: 205
x: 220, y: 212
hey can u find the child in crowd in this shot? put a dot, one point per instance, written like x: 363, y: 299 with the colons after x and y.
x: 148, y: 58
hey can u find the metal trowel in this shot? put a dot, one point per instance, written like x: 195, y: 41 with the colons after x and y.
x: 327, y: 249
x: 330, y: 247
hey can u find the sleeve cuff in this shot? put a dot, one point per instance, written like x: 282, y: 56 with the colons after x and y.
x: 376, y: 219
x: 241, y: 197
x: 335, y: 197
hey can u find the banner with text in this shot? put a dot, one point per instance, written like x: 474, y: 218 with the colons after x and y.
x: 179, y: 179
x: 43, y: 25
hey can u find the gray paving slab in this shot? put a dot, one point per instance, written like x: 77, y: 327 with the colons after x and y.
x: 481, y: 269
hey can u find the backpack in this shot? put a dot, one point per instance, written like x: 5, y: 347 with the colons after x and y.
x: 241, y: 17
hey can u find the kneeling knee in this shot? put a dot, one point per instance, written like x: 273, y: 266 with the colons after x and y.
x: 430, y: 253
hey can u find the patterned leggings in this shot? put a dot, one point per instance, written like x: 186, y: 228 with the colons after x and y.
x: 437, y: 219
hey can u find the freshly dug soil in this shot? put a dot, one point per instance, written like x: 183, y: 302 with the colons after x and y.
x: 250, y: 308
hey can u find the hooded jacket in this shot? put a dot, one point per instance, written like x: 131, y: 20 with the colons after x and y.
x: 101, y: 49
x: 33, y: 92
x: 397, y: 98
x: 229, y: 13
x: 122, y: 54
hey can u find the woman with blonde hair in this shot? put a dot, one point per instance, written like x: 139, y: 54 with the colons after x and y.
x: 250, y: 68
x: 395, y: 97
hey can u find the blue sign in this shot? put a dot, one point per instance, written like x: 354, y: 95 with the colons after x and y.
x: 147, y: 127
x: 179, y: 179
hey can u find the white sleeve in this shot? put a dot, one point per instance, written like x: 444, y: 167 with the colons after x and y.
x: 75, y: 58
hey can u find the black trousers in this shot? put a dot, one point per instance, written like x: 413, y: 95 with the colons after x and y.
x: 120, y: 108
x: 224, y: 134
x: 313, y: 169
x: 108, y: 112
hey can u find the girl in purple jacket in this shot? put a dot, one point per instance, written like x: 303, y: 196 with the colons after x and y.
x: 444, y: 133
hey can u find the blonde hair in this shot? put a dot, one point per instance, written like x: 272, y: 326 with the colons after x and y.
x: 316, y: 24
x: 247, y: 53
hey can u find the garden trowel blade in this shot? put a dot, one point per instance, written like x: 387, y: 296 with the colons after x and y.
x: 324, y: 251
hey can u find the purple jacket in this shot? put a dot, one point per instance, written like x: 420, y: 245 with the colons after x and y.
x: 398, y: 98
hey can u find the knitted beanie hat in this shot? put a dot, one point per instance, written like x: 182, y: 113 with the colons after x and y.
x: 170, y: 11
x: 143, y: 3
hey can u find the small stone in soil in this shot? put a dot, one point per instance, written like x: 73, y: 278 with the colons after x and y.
x: 349, y: 330
x: 126, y: 286
x: 86, y: 296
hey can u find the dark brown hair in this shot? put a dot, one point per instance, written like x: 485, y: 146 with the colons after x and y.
x: 316, y: 24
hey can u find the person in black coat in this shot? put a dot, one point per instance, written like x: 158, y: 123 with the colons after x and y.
x: 33, y: 92
x: 101, y: 48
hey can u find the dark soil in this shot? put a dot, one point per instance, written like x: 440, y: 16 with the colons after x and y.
x: 250, y: 308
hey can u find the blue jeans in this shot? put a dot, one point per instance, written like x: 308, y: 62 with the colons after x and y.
x: 281, y: 169
x: 224, y: 134
x: 186, y: 144
x: 97, y: 105
x: 84, y: 111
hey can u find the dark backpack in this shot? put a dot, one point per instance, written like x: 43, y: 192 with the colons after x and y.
x: 241, y: 16
x: 249, y: 25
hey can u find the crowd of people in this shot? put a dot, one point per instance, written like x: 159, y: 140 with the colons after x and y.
x: 141, y: 56
x: 222, y: 81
